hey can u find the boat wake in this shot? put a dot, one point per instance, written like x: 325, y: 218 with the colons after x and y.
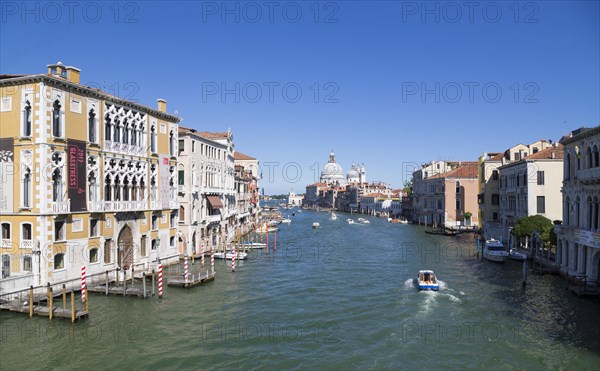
x: 409, y: 284
x: 446, y: 291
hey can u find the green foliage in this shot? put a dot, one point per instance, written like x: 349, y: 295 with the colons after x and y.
x: 408, y: 187
x: 468, y: 215
x: 526, y: 226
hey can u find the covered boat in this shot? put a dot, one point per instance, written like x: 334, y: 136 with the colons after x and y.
x: 427, y: 280
x: 493, y: 250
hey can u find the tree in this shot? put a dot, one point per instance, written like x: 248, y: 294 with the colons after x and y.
x: 408, y: 187
x: 526, y: 226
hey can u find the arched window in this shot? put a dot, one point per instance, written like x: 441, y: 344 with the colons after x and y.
x: 92, y: 184
x: 595, y: 214
x: 107, y: 127
x: 107, y: 252
x: 92, y: 126
x: 56, y: 119
x: 125, y: 131
x: 596, y: 156
x: 5, y: 231
x: 116, y: 132
x: 59, y: 261
x: 567, y: 169
x: 142, y: 189
x: 172, y: 143
x: 567, y: 211
x: 27, y: 119
x: 134, y: 190
x: 590, y: 213
x: 577, y: 211
x: 26, y: 232
x: 588, y: 156
x: 126, y: 189
x: 153, y: 138
x: 27, y: 187
x: 117, y: 189
x: 107, y: 189
x: 57, y: 186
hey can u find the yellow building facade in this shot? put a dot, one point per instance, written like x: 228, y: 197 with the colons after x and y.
x: 86, y: 178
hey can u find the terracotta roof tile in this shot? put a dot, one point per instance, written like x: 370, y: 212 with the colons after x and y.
x: 240, y: 156
x: 547, y: 153
x: 468, y: 170
x: 210, y: 135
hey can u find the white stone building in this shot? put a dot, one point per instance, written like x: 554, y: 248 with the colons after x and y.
x: 578, y: 237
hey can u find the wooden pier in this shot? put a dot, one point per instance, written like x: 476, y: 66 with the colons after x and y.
x: 44, y: 305
x: 41, y: 310
x: 192, y: 281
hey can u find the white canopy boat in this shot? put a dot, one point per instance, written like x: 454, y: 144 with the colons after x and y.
x: 516, y: 255
x: 316, y: 225
x: 350, y: 221
x: 286, y: 221
x: 239, y: 255
x: 427, y: 280
x: 493, y: 250
x: 265, y: 229
x: 253, y: 245
x: 333, y: 216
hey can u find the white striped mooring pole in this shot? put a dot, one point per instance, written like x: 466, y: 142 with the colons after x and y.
x: 83, y: 284
x: 202, y: 256
x: 160, y: 288
x: 233, y: 258
x: 186, y: 268
x: 212, y: 261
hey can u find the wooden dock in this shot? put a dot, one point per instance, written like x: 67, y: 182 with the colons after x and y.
x: 42, y: 310
x: 120, y: 290
x: 192, y: 281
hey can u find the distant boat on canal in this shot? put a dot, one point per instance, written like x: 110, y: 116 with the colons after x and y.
x: 493, y: 250
x: 427, y: 280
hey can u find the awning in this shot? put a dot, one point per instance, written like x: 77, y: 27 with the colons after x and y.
x: 215, y: 202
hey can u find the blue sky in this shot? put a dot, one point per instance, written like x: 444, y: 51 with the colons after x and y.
x: 390, y: 84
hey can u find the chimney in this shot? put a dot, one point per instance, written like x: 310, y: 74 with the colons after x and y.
x: 57, y: 69
x: 73, y: 74
x: 552, y: 155
x: 162, y: 105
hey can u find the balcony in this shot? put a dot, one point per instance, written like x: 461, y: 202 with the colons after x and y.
x: 181, y: 188
x: 96, y: 206
x: 124, y: 148
x: 5, y: 243
x: 591, y: 176
x: 27, y: 244
x: 155, y: 205
x: 214, y: 190
x: 195, y: 188
x: 213, y: 218
x: 173, y: 204
x: 61, y: 207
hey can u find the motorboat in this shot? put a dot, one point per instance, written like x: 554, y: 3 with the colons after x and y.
x: 316, y: 225
x: 389, y: 220
x: 333, y: 216
x: 403, y: 221
x: 364, y: 221
x: 350, y: 221
x: 427, y: 280
x: 239, y: 255
x: 253, y: 245
x: 286, y: 221
x: 266, y: 229
x: 516, y: 255
x: 493, y: 250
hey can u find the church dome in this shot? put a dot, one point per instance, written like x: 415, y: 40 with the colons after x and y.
x: 353, y: 176
x: 332, y: 171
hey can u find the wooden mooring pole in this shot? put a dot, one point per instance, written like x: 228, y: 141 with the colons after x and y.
x: 153, y: 291
x: 50, y: 303
x: 30, y: 301
x: 106, y: 283
x: 72, y: 306
x: 144, y: 284
x: 64, y: 295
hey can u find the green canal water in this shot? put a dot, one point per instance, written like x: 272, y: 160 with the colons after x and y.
x: 339, y: 297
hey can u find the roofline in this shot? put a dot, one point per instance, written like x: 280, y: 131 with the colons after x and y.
x: 585, y: 134
x: 73, y: 87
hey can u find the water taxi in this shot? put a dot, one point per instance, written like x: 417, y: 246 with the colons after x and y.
x: 316, y: 225
x: 350, y: 221
x: 516, y: 255
x: 286, y: 221
x: 333, y: 216
x: 427, y: 280
x: 493, y: 250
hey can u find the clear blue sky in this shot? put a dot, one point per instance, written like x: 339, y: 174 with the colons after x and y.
x: 371, y: 62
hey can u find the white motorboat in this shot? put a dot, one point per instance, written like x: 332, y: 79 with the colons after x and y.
x: 316, y: 225
x: 350, y: 221
x: 239, y: 255
x: 253, y: 245
x: 286, y: 221
x: 389, y: 220
x: 266, y: 229
x: 515, y: 255
x: 427, y: 280
x: 402, y: 221
x: 365, y: 221
x: 333, y: 216
x: 493, y: 250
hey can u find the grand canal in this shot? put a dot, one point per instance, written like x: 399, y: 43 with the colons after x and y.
x: 339, y: 297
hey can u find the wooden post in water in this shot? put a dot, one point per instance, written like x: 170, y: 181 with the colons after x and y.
x: 524, y: 272
x: 87, y: 302
x: 153, y: 292
x: 124, y: 281
x: 72, y: 306
x: 30, y: 301
x: 144, y: 284
x: 64, y: 292
x: 50, y: 303
x: 106, y: 283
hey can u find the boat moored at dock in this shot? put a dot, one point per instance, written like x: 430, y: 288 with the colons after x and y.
x: 493, y: 250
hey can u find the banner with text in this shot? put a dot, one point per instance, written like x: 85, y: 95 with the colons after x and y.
x: 77, y: 183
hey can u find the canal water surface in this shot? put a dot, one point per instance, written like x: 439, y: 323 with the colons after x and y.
x: 338, y: 297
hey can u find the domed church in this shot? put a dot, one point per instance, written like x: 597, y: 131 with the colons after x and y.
x: 357, y: 174
x: 332, y: 172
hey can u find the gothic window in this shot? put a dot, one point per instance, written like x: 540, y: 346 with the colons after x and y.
x: 56, y: 119
x: 27, y: 119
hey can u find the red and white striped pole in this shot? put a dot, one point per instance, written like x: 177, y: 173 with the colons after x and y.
x: 160, y: 288
x: 212, y: 261
x: 202, y: 256
x: 83, y: 284
x: 233, y: 258
x: 186, y: 268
